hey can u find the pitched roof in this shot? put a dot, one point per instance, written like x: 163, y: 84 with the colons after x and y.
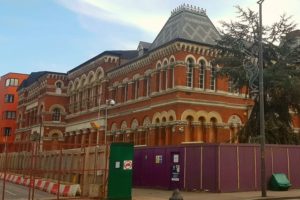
x: 127, y: 54
x: 145, y: 45
x: 34, y: 76
x: 188, y: 23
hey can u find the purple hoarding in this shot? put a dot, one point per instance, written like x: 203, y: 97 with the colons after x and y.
x: 212, y: 167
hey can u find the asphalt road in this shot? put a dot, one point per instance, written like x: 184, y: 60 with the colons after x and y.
x: 19, y: 192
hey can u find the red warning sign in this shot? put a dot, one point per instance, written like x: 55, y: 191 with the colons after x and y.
x: 127, y: 165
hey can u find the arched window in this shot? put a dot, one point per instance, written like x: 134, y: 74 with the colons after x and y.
x: 55, y: 136
x: 202, y: 74
x: 171, y: 76
x: 213, y: 72
x: 137, y: 88
x: 56, y: 114
x: 165, y: 76
x: 189, y: 72
x: 58, y: 87
x: 158, y: 78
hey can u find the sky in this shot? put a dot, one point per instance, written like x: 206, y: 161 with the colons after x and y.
x: 58, y: 35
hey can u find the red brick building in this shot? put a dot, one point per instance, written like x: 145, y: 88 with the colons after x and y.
x: 8, y: 104
x: 42, y: 108
x: 164, y: 93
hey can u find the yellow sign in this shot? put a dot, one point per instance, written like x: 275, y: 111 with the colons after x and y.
x: 95, y: 125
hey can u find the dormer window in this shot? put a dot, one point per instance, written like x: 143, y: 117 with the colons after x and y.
x: 143, y: 48
x: 140, y: 50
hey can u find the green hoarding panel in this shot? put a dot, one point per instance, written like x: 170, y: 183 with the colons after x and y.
x: 279, y: 182
x: 120, y: 171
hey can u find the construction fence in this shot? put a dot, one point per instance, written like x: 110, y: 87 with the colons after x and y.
x: 68, y: 171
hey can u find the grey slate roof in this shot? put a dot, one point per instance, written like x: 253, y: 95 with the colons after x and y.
x: 127, y: 54
x: 145, y: 45
x: 187, y: 23
x: 34, y: 76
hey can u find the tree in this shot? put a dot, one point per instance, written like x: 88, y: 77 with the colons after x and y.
x: 238, y: 49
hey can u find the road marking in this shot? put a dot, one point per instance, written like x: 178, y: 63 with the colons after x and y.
x: 11, y: 193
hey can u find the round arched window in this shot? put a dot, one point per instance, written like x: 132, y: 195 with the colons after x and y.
x: 58, y: 87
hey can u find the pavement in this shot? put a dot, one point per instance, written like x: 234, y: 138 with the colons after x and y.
x: 154, y: 194
x: 150, y: 194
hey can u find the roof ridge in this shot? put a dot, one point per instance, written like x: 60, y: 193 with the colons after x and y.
x: 190, y: 8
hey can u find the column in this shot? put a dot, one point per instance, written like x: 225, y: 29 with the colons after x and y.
x: 76, y: 139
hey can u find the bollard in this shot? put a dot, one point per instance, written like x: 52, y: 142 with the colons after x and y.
x: 176, y: 195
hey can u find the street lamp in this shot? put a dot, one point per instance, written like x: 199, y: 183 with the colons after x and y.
x: 109, y: 102
x: 261, y: 106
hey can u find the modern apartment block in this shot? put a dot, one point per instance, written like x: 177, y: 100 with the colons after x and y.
x: 8, y: 105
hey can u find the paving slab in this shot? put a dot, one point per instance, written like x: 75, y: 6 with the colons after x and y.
x: 151, y: 194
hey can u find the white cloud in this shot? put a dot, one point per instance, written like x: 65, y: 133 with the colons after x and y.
x: 145, y: 17
x: 150, y: 16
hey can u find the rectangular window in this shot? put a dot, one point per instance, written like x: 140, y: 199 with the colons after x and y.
x: 10, y: 115
x: 157, y: 81
x: 9, y: 98
x: 189, y: 76
x: 125, y: 92
x: 189, y: 72
x: 202, y: 76
x: 148, y: 86
x: 137, y: 88
x: 7, y: 131
x: 12, y: 82
x: 164, y: 79
x: 56, y: 114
